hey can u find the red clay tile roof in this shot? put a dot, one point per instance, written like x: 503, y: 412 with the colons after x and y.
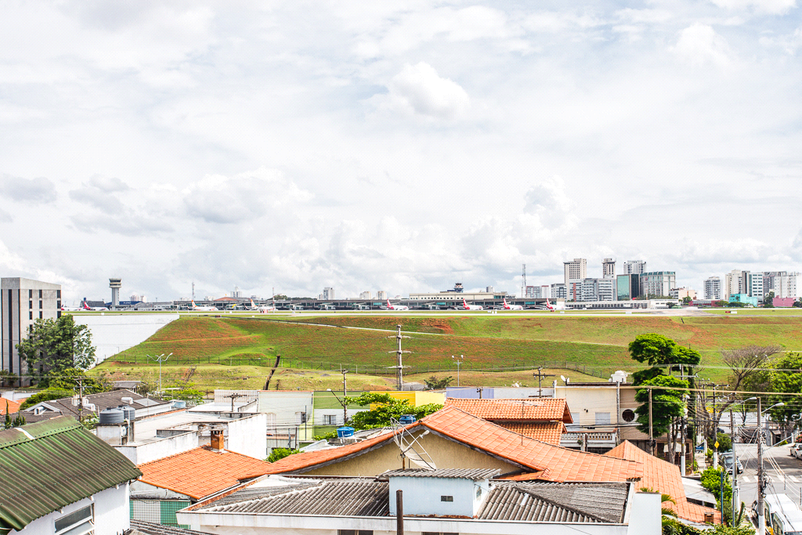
x: 13, y: 406
x: 201, y: 472
x: 556, y: 463
x: 552, y: 463
x: 543, y: 431
x: 663, y: 477
x: 531, y: 409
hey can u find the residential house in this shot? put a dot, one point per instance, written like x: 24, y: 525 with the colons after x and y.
x: 59, y: 478
x: 92, y: 404
x: 471, y: 502
x: 539, y: 418
x: 172, y: 483
x: 8, y: 406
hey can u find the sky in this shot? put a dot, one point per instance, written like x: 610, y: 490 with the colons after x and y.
x: 397, y: 146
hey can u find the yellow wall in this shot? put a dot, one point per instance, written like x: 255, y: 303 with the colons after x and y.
x: 445, y: 454
x: 416, y: 399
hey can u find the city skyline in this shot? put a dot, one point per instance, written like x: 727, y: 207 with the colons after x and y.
x: 399, y: 147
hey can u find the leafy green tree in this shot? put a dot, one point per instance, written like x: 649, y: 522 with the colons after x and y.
x: 189, y: 394
x: 279, y: 453
x: 768, y: 301
x: 69, y: 378
x: 46, y: 395
x: 53, y: 346
x: 668, y: 404
x: 787, y: 377
x: 652, y: 349
x: 386, y: 408
x: 433, y: 383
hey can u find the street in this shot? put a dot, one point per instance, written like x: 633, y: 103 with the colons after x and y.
x: 784, y: 472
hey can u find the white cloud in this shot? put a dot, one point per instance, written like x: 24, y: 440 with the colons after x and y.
x: 773, y: 7
x: 33, y: 191
x: 420, y: 89
x: 700, y: 45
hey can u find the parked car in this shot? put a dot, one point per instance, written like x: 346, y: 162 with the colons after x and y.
x: 796, y: 450
x: 726, y: 462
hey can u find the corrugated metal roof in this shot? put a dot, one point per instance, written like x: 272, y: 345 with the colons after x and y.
x: 474, y: 474
x: 557, y: 502
x: 138, y: 527
x: 50, y: 464
x: 350, y: 497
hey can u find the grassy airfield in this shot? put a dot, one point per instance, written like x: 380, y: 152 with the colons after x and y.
x: 238, y: 350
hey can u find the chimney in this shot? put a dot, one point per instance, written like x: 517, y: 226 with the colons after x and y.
x: 218, y: 440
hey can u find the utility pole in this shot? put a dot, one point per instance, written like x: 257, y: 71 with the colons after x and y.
x: 761, y: 519
x: 651, y: 430
x: 540, y: 375
x: 523, y: 282
x: 232, y: 397
x: 735, y: 497
x: 345, y: 395
x: 80, y: 382
x: 399, y: 367
x: 161, y: 358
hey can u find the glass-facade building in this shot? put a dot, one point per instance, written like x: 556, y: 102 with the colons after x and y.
x: 628, y: 286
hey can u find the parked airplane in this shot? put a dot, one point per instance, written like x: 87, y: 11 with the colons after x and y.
x: 196, y: 308
x: 87, y: 307
x: 391, y: 306
x: 466, y: 306
x: 556, y: 306
x: 511, y: 307
x: 262, y: 309
x: 70, y: 309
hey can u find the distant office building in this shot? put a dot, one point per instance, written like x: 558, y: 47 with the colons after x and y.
x: 573, y: 291
x: 634, y: 267
x: 754, y: 284
x: 682, y: 293
x: 713, y: 288
x: 489, y: 289
x: 22, y: 302
x: 608, y: 268
x: 732, y: 284
x: 559, y: 291
x: 328, y: 293
x: 381, y: 295
x: 365, y: 295
x: 236, y: 293
x: 627, y: 287
x: 782, y: 283
x: 532, y: 292
x: 575, y: 270
x: 599, y: 290
x: 657, y: 283
x: 545, y: 291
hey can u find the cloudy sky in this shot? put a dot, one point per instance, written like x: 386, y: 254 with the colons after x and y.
x: 401, y: 146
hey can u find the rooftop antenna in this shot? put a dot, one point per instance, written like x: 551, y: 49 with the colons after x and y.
x: 399, y: 367
x: 410, y: 447
x: 523, y: 282
x: 193, y: 290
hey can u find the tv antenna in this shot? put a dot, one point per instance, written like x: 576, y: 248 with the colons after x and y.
x: 399, y: 367
x: 523, y: 281
x: 410, y: 447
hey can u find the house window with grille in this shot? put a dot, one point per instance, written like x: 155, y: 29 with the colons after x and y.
x: 329, y: 419
x: 80, y: 522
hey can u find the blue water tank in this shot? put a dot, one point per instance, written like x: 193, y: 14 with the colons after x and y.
x: 407, y: 419
x: 345, y: 432
x: 179, y: 404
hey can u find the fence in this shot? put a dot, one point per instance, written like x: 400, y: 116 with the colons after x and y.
x: 368, y: 369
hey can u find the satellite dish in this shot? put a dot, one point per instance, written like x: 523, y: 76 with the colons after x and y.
x: 411, y: 448
x: 563, y: 378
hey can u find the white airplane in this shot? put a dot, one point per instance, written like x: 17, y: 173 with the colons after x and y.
x: 70, y: 309
x: 262, y: 309
x: 511, y: 307
x: 555, y: 306
x: 391, y: 306
x: 466, y: 306
x: 87, y: 307
x: 196, y: 308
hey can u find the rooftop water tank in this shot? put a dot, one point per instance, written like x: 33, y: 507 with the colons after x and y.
x: 179, y: 404
x: 345, y: 432
x: 407, y: 419
x: 128, y: 412
x: 111, y: 416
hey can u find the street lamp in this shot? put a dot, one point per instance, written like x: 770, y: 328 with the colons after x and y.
x: 735, y: 491
x: 160, y: 358
x: 458, y: 361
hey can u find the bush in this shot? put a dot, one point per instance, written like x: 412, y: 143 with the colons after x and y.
x: 280, y: 453
x: 724, y: 442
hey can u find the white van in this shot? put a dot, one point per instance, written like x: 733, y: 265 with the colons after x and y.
x: 783, y: 517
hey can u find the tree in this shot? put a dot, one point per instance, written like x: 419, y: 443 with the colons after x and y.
x: 53, y: 346
x: 653, y: 349
x: 787, y: 377
x: 386, y: 408
x: 747, y: 372
x: 768, y: 301
x: 279, y: 453
x: 667, y: 404
x: 46, y: 395
x: 433, y: 383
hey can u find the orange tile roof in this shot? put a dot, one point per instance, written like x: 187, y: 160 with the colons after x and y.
x: 13, y: 406
x: 663, y: 477
x: 552, y: 463
x: 532, y: 409
x: 544, y: 431
x: 201, y: 472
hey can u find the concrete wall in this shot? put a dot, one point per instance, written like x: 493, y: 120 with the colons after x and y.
x: 112, y: 514
x: 113, y: 332
x: 160, y: 448
x: 283, y: 410
x: 423, y: 495
x: 586, y: 402
x: 247, y: 436
x: 445, y: 454
x: 645, y: 514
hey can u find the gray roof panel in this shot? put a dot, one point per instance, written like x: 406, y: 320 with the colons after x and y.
x: 475, y: 474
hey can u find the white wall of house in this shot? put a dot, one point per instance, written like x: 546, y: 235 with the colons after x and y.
x: 159, y: 448
x: 424, y: 495
x: 647, y: 519
x: 247, y: 436
x: 111, y: 513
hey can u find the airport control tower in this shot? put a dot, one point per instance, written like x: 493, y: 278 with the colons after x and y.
x: 115, y: 284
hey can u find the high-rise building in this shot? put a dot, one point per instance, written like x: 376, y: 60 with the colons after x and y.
x: 635, y: 267
x: 532, y: 292
x: 575, y: 270
x: 713, y: 288
x: 754, y: 284
x: 598, y: 290
x: 559, y: 291
x: 328, y: 293
x: 657, y: 283
x: 381, y: 295
x: 22, y: 302
x: 627, y: 286
x: 732, y: 284
x: 608, y: 268
x: 782, y: 283
x: 365, y: 295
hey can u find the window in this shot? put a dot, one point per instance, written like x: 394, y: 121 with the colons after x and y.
x: 40, y: 305
x: 446, y: 498
x: 40, y: 294
x: 30, y: 315
x: 628, y: 415
x: 80, y: 522
x: 30, y: 294
x: 300, y: 417
x: 329, y: 419
x: 40, y: 314
x: 602, y: 418
x: 30, y: 304
x: 58, y: 294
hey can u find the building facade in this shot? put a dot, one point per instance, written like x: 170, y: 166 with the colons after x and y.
x: 627, y: 287
x: 713, y: 288
x: 657, y: 283
x: 634, y: 267
x: 23, y: 301
x: 608, y: 268
x: 575, y: 270
x: 559, y: 291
